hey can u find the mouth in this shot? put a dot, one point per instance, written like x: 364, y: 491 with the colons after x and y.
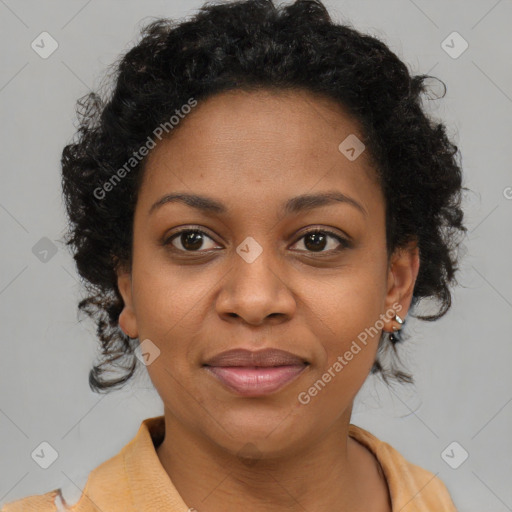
x: 255, y: 373
x: 257, y: 380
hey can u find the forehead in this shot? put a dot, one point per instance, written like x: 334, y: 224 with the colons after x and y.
x: 239, y: 140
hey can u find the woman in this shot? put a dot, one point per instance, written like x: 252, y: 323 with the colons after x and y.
x: 257, y: 208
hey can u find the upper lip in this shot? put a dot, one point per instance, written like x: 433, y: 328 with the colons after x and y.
x: 264, y: 357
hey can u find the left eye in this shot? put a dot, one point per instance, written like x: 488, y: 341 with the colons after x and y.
x: 316, y: 241
x: 191, y: 240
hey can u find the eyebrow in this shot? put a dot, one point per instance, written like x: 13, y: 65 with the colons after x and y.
x: 297, y: 204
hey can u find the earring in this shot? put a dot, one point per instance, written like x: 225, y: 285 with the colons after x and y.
x: 395, y: 338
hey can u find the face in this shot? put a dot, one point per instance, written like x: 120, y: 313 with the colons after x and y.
x: 249, y: 273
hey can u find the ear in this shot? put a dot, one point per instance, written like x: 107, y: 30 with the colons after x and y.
x: 127, y: 319
x: 403, y: 271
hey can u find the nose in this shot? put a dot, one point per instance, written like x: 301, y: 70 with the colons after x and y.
x: 256, y: 291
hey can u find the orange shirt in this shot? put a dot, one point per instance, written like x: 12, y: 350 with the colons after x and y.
x: 135, y: 481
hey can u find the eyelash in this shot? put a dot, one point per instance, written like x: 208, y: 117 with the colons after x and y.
x: 344, y: 242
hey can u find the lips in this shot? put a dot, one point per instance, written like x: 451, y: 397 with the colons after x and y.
x: 250, y: 373
x: 266, y: 357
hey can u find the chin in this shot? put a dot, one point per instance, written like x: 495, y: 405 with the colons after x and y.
x: 271, y: 433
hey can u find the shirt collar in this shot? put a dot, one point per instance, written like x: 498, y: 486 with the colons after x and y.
x: 150, y: 485
x: 152, y: 489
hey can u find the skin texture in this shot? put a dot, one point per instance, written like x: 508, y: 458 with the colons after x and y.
x: 253, y: 151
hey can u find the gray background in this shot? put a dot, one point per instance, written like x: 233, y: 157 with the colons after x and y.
x: 461, y: 363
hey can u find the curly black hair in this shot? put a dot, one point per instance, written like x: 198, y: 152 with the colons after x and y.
x: 248, y: 45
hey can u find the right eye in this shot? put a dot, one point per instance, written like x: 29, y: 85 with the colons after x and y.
x: 190, y: 240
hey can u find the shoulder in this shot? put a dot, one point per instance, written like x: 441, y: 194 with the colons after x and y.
x: 96, y: 495
x: 408, y: 483
x: 109, y: 484
x: 36, y: 503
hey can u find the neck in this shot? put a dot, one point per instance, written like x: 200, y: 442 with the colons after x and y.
x: 330, y: 472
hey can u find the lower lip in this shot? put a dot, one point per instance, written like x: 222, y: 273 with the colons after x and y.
x: 256, y: 381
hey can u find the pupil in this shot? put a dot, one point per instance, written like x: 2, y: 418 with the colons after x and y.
x: 194, y: 240
x: 318, y: 241
x: 191, y: 240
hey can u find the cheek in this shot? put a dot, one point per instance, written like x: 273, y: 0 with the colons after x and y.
x: 344, y: 317
x: 348, y: 301
x: 170, y: 312
x: 167, y: 298
x: 347, y: 356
